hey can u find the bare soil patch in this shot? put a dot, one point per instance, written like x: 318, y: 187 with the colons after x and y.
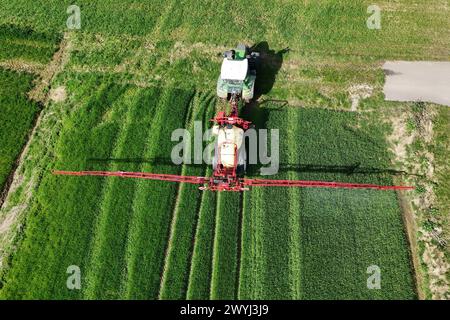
x: 58, y: 94
x: 359, y: 92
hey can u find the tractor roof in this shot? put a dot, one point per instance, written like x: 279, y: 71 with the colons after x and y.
x: 234, y: 69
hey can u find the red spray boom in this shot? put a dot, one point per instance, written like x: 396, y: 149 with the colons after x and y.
x: 226, y: 178
x: 239, y: 185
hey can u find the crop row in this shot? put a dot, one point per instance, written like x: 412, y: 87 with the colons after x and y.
x: 154, y: 201
x: 201, y: 267
x: 270, y: 228
x: 105, y: 272
x: 226, y: 256
x: 59, y: 223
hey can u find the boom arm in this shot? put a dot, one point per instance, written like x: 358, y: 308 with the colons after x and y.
x: 318, y: 184
x: 241, y: 182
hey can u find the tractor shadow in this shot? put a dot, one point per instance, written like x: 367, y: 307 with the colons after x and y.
x: 157, y: 161
x: 253, y: 170
x: 348, y: 169
x: 267, y: 68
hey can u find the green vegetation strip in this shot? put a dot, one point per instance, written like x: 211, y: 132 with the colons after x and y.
x: 201, y: 268
x: 268, y: 270
x: 226, y: 242
x: 27, y: 44
x: 61, y: 218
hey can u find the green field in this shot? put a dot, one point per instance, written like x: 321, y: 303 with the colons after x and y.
x: 17, y: 117
x: 136, y: 71
x: 148, y: 240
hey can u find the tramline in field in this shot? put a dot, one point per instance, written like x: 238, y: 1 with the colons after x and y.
x: 236, y: 82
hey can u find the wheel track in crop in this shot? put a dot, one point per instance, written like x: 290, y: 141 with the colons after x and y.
x: 134, y: 120
x: 163, y: 18
x: 169, y: 289
x: 229, y: 235
x: 250, y: 284
x: 294, y: 208
x: 244, y: 253
x: 215, y: 244
x: 225, y: 257
x: 193, y: 243
x: 209, y: 102
x: 195, y: 247
x: 169, y: 248
x: 198, y: 286
x: 133, y: 223
x: 239, y: 247
x: 215, y: 240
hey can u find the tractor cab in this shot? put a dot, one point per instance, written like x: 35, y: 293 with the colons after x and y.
x: 238, y: 73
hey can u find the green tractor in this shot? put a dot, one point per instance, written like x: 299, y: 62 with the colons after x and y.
x: 238, y: 74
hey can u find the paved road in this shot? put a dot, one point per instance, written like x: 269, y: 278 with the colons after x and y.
x: 417, y: 81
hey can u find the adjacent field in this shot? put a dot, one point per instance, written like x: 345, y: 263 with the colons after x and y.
x: 331, y: 49
x: 17, y: 117
x: 23, y: 52
x: 26, y: 44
